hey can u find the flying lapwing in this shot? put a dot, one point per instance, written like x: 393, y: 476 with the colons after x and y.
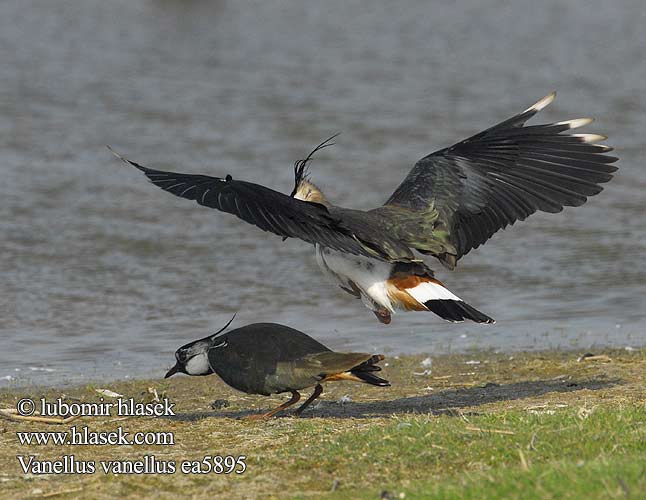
x: 451, y: 202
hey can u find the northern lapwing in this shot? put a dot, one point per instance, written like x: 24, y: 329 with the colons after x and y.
x: 451, y: 202
x: 267, y: 358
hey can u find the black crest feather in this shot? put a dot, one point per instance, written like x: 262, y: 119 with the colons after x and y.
x: 213, y: 335
x: 300, y: 166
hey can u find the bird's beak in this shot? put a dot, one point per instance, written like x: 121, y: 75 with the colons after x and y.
x: 172, y: 371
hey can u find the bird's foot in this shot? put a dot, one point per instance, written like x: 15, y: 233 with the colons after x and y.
x: 383, y: 315
x: 256, y: 417
x: 298, y: 412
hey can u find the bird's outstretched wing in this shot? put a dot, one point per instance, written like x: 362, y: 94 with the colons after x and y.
x: 263, y: 207
x: 503, y: 174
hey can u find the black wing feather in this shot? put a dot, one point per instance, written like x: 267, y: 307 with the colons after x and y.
x: 504, y: 174
x: 263, y: 207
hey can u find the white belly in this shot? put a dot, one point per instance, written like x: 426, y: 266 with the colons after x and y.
x: 368, y: 275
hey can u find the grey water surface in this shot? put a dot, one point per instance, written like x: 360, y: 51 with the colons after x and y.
x: 104, y: 276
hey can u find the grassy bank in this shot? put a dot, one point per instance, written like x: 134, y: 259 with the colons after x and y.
x: 484, y: 425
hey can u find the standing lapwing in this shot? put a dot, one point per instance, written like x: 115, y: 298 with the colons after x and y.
x: 451, y: 202
x: 267, y: 358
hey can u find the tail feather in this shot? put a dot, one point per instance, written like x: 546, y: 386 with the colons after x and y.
x: 456, y: 311
x: 365, y: 371
x: 371, y: 379
x: 435, y: 297
x: 370, y: 365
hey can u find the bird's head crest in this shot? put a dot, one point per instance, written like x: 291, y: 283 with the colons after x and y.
x: 193, y: 358
x: 301, y: 170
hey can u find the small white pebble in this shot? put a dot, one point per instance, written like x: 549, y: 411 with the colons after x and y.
x: 344, y: 399
x: 109, y: 393
x: 629, y: 349
x: 542, y: 412
x: 463, y: 336
x: 584, y: 412
x: 472, y: 362
x: 427, y: 362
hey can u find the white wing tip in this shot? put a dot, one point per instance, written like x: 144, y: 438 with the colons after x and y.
x: 576, y: 123
x: 544, y: 102
x: 590, y: 138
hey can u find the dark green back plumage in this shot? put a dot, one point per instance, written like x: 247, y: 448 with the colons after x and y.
x: 268, y: 358
x: 254, y: 351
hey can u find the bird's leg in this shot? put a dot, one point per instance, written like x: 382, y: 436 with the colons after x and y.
x: 352, y: 289
x: 317, y: 392
x: 293, y: 400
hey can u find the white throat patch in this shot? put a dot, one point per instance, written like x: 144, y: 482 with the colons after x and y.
x: 198, y: 364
